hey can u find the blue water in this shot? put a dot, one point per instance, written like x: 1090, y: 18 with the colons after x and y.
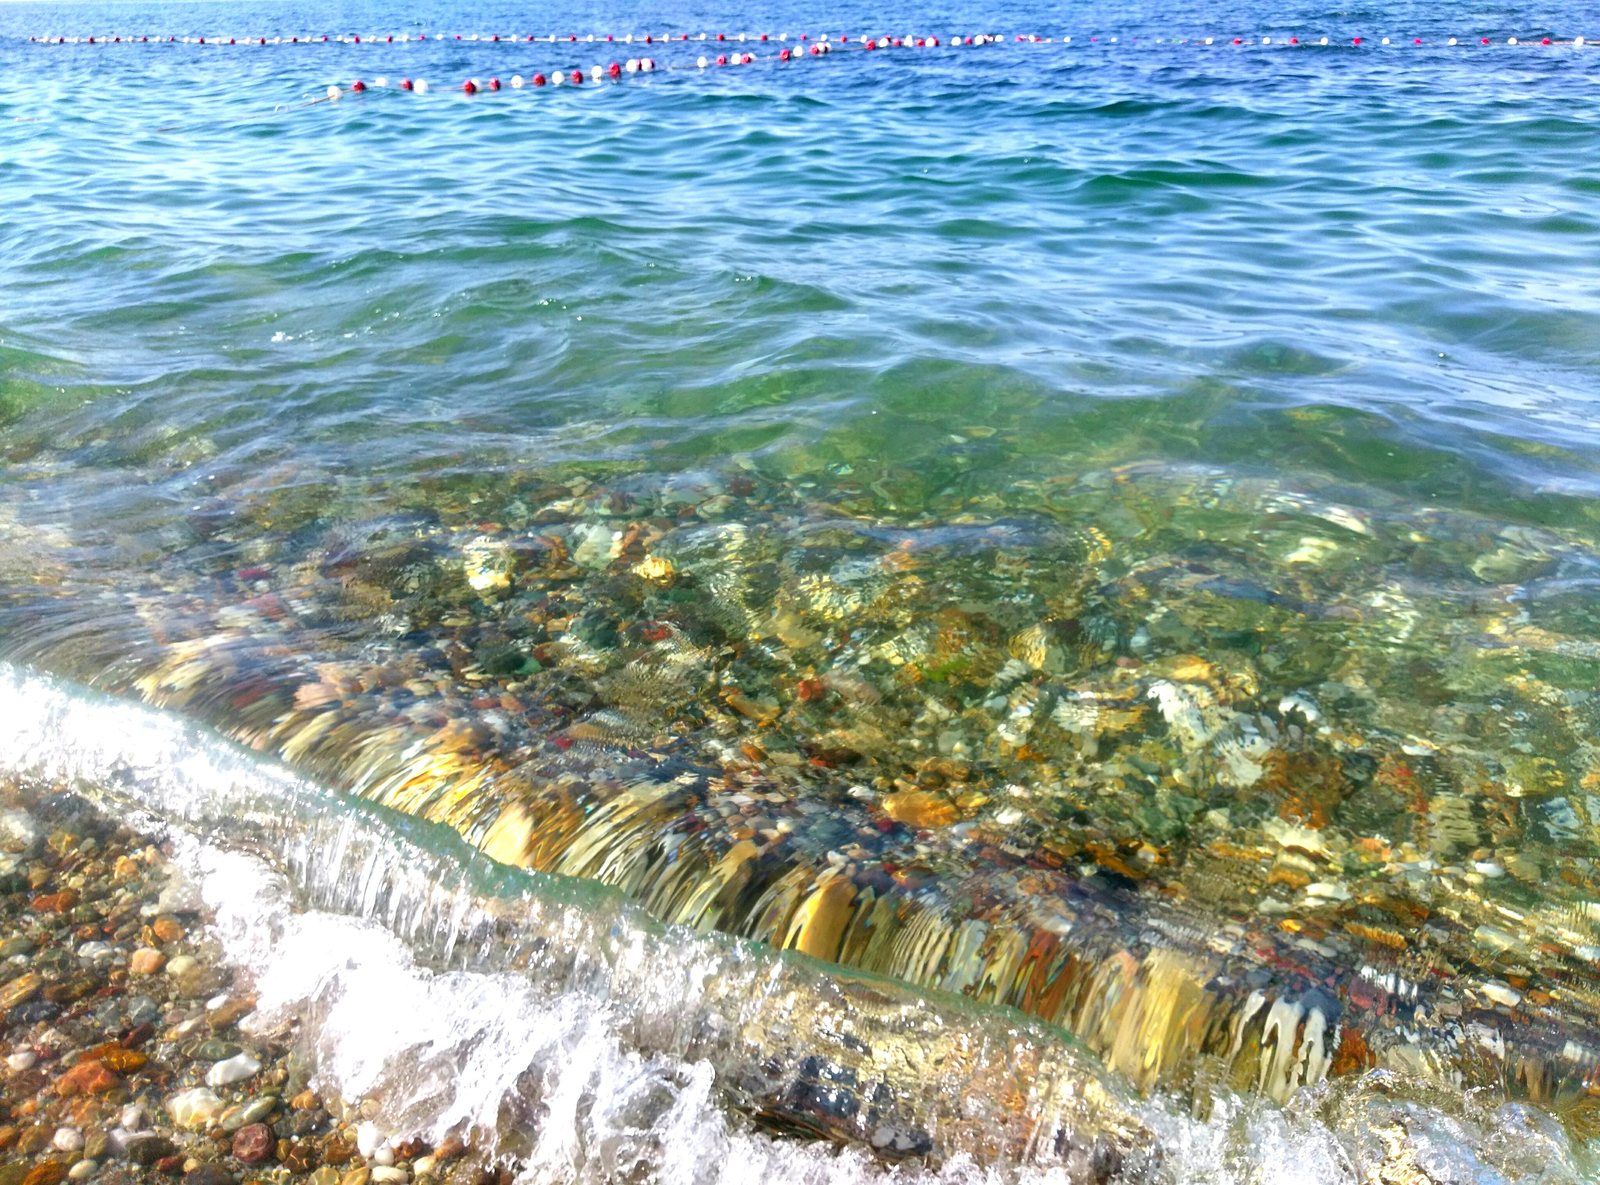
x: 1293, y: 349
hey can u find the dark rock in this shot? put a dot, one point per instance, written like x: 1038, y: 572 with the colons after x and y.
x: 209, y: 1174
x: 146, y: 1147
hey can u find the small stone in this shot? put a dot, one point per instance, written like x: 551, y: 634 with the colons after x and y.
x: 95, y: 1145
x: 125, y: 869
x: 22, y: 1060
x: 167, y: 929
x: 305, y: 1100
x: 86, y: 1078
x: 51, y: 1172
x: 182, y: 965
x: 230, y: 1010
x: 147, y: 960
x: 34, y: 1139
x: 253, y: 1143
x: 194, y: 1109
x: 209, y: 1174
x: 253, y: 1112
x: 388, y: 1175
x: 132, y: 1117
x: 356, y: 1177
x: 383, y: 1156
x: 81, y: 1171
x: 326, y: 1175
x: 146, y: 1148
x: 234, y: 1069
x: 67, y: 1139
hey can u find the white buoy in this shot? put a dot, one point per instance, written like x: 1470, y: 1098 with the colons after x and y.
x: 557, y: 78
x: 1266, y: 41
x: 381, y: 80
x: 1452, y: 41
x: 1385, y: 41
x: 597, y: 73
x: 632, y: 66
x: 1511, y: 40
x: 1578, y: 41
x: 701, y: 61
x: 333, y: 92
x: 516, y: 82
x: 1324, y: 41
x: 1208, y: 40
x: 420, y: 86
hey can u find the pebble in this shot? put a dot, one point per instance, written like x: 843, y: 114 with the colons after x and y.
x: 67, y: 1139
x: 385, y: 1174
x: 253, y: 1112
x: 182, y: 965
x: 194, y: 1109
x: 23, y: 1059
x: 132, y: 1117
x: 383, y: 1156
x: 81, y: 1171
x: 146, y: 961
x: 208, y: 1174
x: 234, y: 1069
x: 254, y: 1143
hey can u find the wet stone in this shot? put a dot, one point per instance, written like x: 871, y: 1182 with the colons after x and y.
x: 253, y: 1143
x: 146, y: 1148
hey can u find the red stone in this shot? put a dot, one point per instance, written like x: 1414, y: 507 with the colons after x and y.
x: 253, y: 1143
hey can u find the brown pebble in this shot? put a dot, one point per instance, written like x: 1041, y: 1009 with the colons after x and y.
x: 55, y: 902
x: 253, y: 1143
x: 8, y: 1136
x: 356, y: 1177
x: 167, y: 929
x: 234, y: 1009
x: 138, y: 1035
x: 125, y: 869
x: 51, y: 1172
x: 34, y: 1139
x: 170, y: 1165
x: 146, y: 961
x: 305, y: 1100
x: 449, y: 1148
x: 86, y: 1078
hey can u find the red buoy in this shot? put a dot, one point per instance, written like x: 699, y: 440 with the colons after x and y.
x: 406, y: 84
x: 470, y: 87
x: 1486, y: 41
x: 1238, y: 41
x: 538, y: 80
x: 614, y: 70
x: 783, y: 55
x: 722, y: 59
x: 1546, y: 41
x: 358, y: 86
x: 1355, y: 41
x: 577, y: 78
x: 358, y: 38
x: 494, y: 84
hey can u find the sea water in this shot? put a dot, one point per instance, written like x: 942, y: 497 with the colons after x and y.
x: 1070, y: 560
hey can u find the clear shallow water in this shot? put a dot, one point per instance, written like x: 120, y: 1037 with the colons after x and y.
x: 1138, y: 499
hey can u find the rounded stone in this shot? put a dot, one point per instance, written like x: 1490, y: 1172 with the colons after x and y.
x: 253, y: 1143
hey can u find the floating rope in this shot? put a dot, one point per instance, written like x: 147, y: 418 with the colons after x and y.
x: 885, y: 42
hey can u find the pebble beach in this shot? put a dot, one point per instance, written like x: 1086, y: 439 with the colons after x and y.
x: 129, y: 1050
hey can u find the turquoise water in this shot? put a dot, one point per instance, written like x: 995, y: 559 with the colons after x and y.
x: 1127, y: 503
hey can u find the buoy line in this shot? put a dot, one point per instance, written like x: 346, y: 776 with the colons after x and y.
x: 876, y: 42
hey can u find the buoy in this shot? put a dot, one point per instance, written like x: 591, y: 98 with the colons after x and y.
x: 358, y: 86
x: 470, y: 87
x: 405, y: 84
x: 783, y: 55
x: 333, y: 92
x: 494, y: 84
x: 538, y: 80
x: 632, y: 66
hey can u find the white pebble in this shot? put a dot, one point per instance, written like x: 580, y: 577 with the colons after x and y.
x: 387, y: 1175
x: 21, y: 1060
x: 194, y: 1109
x: 131, y: 1117
x: 383, y: 1155
x: 367, y: 1139
x: 81, y: 1171
x: 67, y: 1139
x: 234, y: 1069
